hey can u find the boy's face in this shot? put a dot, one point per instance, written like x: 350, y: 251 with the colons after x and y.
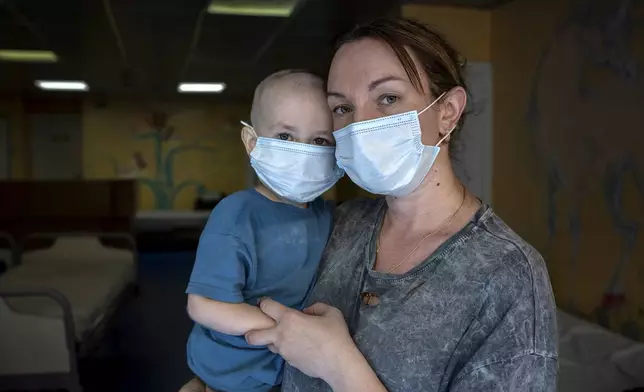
x: 299, y: 115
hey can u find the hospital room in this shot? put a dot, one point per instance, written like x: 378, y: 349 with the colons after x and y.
x: 321, y: 195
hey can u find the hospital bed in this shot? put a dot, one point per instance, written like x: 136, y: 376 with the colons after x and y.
x: 7, y: 249
x: 55, y: 304
x: 593, y: 359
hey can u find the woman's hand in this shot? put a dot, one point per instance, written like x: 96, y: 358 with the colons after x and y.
x: 315, y: 341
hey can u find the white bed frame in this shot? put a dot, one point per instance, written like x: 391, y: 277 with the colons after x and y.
x: 41, y: 352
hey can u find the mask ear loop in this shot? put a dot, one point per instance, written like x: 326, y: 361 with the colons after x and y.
x: 247, y: 125
x: 446, y: 136
x: 432, y: 104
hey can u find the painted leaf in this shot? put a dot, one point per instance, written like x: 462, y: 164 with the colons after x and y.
x: 140, y: 161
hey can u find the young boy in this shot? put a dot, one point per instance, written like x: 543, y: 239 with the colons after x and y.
x: 267, y: 241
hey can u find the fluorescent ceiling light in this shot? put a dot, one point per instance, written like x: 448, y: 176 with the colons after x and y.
x: 201, y: 87
x: 275, y: 8
x: 62, y: 85
x: 28, y: 56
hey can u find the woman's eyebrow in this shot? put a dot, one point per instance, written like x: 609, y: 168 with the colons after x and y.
x: 372, y: 86
x: 385, y: 79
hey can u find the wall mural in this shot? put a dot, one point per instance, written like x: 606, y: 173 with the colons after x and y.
x: 586, y: 118
x: 160, y: 132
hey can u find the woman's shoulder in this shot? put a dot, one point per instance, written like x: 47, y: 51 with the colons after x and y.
x: 496, y: 254
x: 503, y: 243
x: 515, y: 283
x: 515, y: 267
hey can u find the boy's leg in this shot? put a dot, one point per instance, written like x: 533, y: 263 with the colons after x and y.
x: 194, y: 385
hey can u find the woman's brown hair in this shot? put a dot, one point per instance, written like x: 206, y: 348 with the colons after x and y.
x: 442, y: 63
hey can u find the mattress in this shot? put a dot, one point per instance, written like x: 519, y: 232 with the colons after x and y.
x: 89, y: 275
x: 593, y: 359
x: 6, y: 256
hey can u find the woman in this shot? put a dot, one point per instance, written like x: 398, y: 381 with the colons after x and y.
x: 426, y: 289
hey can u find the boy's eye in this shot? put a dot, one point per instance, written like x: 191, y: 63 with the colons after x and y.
x: 284, y: 136
x: 341, y: 110
x: 388, y: 99
x: 319, y: 141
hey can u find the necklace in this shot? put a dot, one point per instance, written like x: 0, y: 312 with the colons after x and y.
x: 441, y: 228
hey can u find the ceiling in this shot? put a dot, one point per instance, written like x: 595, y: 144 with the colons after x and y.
x: 460, y: 3
x: 144, y: 48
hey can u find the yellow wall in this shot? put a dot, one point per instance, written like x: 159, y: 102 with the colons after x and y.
x: 13, y: 111
x: 580, y: 137
x: 208, y: 152
x: 212, y: 154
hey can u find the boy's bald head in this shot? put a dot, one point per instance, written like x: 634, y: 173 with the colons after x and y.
x: 278, y: 89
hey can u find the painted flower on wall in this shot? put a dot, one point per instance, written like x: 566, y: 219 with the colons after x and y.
x: 159, y: 131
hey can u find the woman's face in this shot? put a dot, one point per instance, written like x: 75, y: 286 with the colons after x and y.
x: 367, y: 81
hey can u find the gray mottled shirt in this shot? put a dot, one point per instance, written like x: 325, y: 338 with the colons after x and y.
x: 477, y: 315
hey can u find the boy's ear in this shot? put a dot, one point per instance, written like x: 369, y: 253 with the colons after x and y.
x: 249, y: 138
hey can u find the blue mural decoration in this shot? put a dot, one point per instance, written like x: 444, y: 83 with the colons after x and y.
x: 163, y: 185
x: 589, y: 131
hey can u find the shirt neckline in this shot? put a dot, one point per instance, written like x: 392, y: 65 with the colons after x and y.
x: 459, y: 237
x: 311, y: 206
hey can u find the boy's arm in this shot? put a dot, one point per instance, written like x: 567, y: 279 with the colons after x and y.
x: 215, y: 292
x: 228, y: 318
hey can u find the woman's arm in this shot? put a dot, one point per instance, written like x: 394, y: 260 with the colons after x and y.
x: 232, y: 319
x: 317, y: 342
x: 355, y: 374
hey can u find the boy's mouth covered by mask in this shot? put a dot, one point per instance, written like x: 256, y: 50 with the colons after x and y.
x: 291, y: 144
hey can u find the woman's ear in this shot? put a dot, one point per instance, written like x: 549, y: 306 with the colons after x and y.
x: 451, y: 110
x: 249, y: 138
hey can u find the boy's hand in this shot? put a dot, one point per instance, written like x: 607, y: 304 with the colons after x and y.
x: 312, y: 340
x: 318, y: 343
x: 231, y: 319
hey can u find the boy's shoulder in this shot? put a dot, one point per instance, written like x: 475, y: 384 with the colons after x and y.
x: 244, y: 210
x: 232, y: 211
x: 237, y: 202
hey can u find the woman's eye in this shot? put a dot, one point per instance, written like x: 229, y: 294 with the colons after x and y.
x: 284, y: 136
x: 321, y: 141
x: 389, y: 100
x: 341, y: 110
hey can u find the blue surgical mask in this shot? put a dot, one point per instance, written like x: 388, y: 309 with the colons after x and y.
x: 297, y: 172
x: 386, y: 156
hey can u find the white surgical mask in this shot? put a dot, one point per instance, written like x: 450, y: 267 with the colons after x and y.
x: 386, y: 156
x: 297, y: 172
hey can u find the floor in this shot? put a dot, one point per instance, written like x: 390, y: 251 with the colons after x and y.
x: 146, y: 349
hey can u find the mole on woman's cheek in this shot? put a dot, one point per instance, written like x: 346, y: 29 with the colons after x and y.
x: 438, y: 184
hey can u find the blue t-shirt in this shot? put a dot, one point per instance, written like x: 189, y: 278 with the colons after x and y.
x: 252, y: 248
